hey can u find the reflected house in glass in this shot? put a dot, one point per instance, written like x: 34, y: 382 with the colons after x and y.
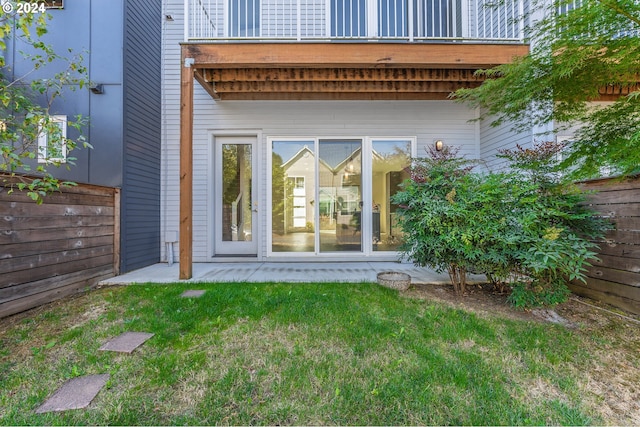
x: 334, y: 179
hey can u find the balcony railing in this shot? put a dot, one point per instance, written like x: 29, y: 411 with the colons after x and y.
x: 355, y: 20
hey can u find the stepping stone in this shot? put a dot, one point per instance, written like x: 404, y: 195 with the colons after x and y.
x: 192, y: 294
x: 126, y: 342
x: 77, y: 393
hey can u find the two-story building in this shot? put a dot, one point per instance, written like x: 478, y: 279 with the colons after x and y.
x: 289, y: 124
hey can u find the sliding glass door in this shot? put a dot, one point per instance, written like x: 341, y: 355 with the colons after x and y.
x: 391, y: 160
x: 340, y: 190
x: 333, y: 195
x: 293, y: 177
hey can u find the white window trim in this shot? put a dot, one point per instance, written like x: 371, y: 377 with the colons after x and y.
x: 43, y: 141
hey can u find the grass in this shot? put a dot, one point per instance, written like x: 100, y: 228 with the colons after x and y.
x: 292, y: 354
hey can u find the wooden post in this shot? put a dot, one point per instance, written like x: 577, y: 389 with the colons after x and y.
x: 116, y: 231
x: 186, y: 166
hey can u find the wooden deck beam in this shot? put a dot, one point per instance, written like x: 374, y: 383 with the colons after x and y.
x: 335, y: 86
x: 353, y: 55
x: 334, y: 96
x: 337, y: 74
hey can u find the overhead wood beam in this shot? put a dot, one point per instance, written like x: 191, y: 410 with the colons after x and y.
x: 353, y: 55
x: 186, y: 166
x: 339, y: 86
x: 333, y: 96
x: 206, y: 85
x: 336, y: 74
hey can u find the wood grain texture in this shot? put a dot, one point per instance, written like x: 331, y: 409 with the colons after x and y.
x: 60, y: 247
x: 615, y: 275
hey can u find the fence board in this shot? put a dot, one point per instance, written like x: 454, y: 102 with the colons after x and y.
x: 617, y: 262
x: 39, y: 223
x: 25, y: 209
x: 76, y: 283
x: 603, y: 294
x: 615, y: 277
x: 53, y: 258
x: 607, y: 274
x: 623, y: 236
x: 60, y: 247
x: 26, y: 236
x: 615, y: 197
x: 18, y: 250
x: 618, y: 210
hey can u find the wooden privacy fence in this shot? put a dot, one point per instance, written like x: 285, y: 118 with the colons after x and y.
x: 615, y: 276
x: 48, y: 251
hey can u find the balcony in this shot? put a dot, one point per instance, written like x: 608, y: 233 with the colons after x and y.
x: 476, y: 21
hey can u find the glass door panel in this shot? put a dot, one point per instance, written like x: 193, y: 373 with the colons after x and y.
x: 234, y: 207
x: 390, y: 162
x: 293, y: 177
x: 340, y: 195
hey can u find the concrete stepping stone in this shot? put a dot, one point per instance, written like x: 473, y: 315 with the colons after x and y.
x: 192, y: 294
x: 77, y: 393
x: 126, y: 342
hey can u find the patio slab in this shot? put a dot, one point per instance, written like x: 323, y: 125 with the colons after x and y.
x: 192, y: 293
x: 126, y: 342
x: 301, y: 271
x: 77, y: 393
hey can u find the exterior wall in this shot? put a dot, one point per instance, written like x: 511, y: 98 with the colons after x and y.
x: 140, y: 219
x: 427, y: 120
x: 172, y: 36
x: 96, y: 34
x: 493, y: 139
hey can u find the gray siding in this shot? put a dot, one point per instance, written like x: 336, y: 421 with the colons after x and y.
x: 93, y: 29
x: 140, y: 221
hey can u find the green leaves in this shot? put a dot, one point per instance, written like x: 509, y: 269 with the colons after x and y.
x: 525, y: 228
x: 25, y: 117
x: 577, y: 53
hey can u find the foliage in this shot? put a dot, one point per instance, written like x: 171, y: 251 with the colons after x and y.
x: 576, y: 51
x: 26, y: 103
x: 526, y: 228
x: 429, y: 205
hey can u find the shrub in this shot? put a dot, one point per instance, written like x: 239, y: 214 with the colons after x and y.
x: 429, y: 204
x: 525, y: 228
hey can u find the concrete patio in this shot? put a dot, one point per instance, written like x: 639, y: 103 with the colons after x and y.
x: 280, y: 272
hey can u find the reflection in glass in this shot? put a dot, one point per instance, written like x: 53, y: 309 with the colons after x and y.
x: 292, y: 194
x: 391, y: 160
x: 340, y: 194
x: 236, y: 192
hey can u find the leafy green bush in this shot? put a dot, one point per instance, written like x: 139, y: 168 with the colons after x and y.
x: 524, y: 229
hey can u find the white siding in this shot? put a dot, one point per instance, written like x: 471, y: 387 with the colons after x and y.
x: 279, y: 18
x: 173, y: 33
x: 493, y: 139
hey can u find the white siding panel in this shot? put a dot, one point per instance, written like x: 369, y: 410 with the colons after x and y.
x: 496, y: 138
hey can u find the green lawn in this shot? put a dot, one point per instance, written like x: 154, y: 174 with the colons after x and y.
x: 293, y: 354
